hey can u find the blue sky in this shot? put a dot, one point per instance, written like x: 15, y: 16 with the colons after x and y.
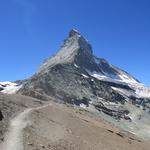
x: 32, y: 30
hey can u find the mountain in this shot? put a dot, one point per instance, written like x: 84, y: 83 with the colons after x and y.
x: 75, y: 101
x: 76, y: 76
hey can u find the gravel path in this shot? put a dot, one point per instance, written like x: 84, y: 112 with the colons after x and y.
x: 14, y: 137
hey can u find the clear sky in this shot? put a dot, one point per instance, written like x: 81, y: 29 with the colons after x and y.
x: 32, y: 30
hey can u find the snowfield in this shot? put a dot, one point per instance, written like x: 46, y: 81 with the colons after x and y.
x: 9, y: 87
x: 123, y: 78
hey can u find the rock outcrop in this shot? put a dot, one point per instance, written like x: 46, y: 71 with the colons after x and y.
x: 1, y: 116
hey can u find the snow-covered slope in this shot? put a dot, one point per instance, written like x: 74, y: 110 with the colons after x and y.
x: 9, y: 87
x: 119, y: 76
x: 140, y: 89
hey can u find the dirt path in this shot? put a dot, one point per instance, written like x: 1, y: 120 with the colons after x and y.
x: 14, y: 138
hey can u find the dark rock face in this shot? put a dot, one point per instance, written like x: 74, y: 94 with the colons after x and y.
x: 1, y: 88
x: 1, y: 116
x: 66, y: 83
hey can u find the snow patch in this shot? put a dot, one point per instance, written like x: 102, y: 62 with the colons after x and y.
x: 103, y: 77
x: 76, y: 65
x: 126, y: 78
x: 7, y: 83
x: 123, y: 78
x: 142, y: 91
x: 9, y: 87
x: 85, y: 76
x: 83, y: 106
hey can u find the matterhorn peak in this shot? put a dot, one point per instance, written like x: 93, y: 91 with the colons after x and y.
x: 77, y: 35
x: 76, y: 38
x: 75, y: 49
x: 74, y: 32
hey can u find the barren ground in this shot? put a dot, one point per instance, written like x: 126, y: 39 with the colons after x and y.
x: 57, y: 127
